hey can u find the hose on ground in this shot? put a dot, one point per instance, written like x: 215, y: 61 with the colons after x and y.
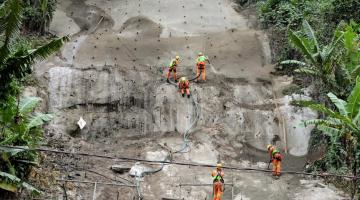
x: 185, y: 144
x: 193, y: 124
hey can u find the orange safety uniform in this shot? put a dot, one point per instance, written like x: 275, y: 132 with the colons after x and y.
x: 172, y: 68
x: 184, y: 86
x: 276, y: 158
x: 218, y: 183
x: 201, y: 67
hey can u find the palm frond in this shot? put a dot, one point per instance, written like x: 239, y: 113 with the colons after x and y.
x: 39, y: 119
x: 339, y: 103
x: 28, y: 104
x: 310, y: 34
x: 10, y: 25
x: 315, y: 106
x: 317, y: 122
x: 330, y: 131
x: 308, y: 71
x: 8, y: 187
x: 356, y: 119
x: 18, y: 181
x: 45, y: 51
x: 328, y: 51
x: 19, y: 64
x: 12, y: 151
x: 293, y: 62
x: 300, y: 44
x: 327, y: 111
x: 354, y: 100
x: 355, y: 72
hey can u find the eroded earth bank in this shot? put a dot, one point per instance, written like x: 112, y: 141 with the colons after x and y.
x: 112, y: 75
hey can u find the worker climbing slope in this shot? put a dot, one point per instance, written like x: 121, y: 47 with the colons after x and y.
x: 275, y: 159
x: 172, y: 68
x: 184, y: 86
x: 201, y: 66
x: 218, y: 182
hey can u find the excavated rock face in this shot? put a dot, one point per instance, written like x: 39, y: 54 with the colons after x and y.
x: 112, y: 75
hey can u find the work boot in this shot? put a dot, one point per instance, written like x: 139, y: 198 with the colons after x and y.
x: 183, y: 95
x: 188, y: 96
x: 167, y: 80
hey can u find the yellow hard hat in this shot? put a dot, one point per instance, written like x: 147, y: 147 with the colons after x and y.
x: 177, y: 57
x: 183, y: 79
x: 219, y: 165
x: 200, y: 54
x: 268, y: 146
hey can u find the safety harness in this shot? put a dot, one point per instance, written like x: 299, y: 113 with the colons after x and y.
x: 173, y: 64
x: 218, y: 178
x: 274, y: 152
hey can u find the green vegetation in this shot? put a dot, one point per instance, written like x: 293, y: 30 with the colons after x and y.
x: 327, y: 57
x: 280, y: 15
x: 342, y: 127
x: 19, y: 124
x: 334, y: 66
x: 37, y: 15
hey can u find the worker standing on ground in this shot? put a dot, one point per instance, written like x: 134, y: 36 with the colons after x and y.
x: 172, y: 68
x: 184, y: 86
x: 201, y: 66
x: 218, y: 182
x: 275, y: 158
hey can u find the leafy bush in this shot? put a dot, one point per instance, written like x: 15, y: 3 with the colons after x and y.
x: 19, y: 124
x: 342, y: 127
x: 38, y: 14
x: 344, y: 10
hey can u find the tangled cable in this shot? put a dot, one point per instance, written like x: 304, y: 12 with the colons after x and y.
x: 170, y: 154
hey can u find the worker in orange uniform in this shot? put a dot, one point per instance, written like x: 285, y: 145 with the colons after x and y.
x: 275, y: 158
x: 218, y: 182
x: 184, y: 86
x: 201, y: 66
x: 172, y: 68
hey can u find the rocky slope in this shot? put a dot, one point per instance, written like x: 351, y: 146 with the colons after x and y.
x: 112, y: 75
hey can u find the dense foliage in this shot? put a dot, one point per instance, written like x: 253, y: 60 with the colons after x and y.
x: 334, y: 66
x: 279, y: 15
x: 19, y: 124
x: 327, y: 57
x: 342, y: 127
x: 37, y: 14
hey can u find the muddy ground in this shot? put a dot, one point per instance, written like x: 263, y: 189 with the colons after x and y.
x: 111, y: 74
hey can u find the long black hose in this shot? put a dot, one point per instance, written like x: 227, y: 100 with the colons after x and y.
x: 174, y: 83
